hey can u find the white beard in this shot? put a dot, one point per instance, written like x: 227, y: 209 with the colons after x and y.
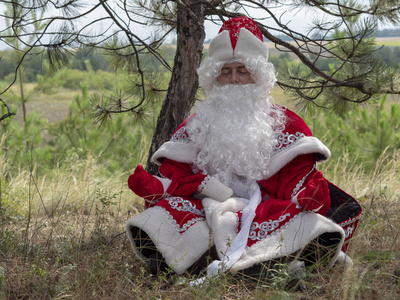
x: 235, y: 131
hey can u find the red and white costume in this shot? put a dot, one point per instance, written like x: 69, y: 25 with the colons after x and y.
x: 188, y: 211
x: 182, y: 228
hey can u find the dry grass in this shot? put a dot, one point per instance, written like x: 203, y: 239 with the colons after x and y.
x: 375, y: 249
x: 62, y: 237
x: 53, y: 106
x: 388, y: 41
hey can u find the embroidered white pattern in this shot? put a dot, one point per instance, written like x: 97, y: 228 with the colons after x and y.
x: 301, y: 182
x: 181, y: 136
x: 349, y: 231
x: 237, y: 223
x: 286, y: 140
x: 203, y: 184
x: 178, y: 227
x: 180, y: 204
x: 264, y: 228
x: 279, y: 231
x: 345, y: 223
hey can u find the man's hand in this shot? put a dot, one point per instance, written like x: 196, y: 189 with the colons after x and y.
x: 315, y: 195
x: 216, y: 190
x: 145, y: 185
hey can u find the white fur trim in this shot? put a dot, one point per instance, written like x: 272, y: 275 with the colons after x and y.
x: 306, y: 145
x: 344, y: 259
x: 180, y: 152
x: 223, y: 221
x: 220, y: 47
x: 209, y: 205
x: 247, y: 46
x: 216, y: 190
x: 300, y: 231
x: 234, y: 244
x: 187, y: 153
x: 180, y: 250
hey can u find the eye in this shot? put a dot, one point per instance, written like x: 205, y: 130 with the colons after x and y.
x: 225, y: 72
x: 243, y: 71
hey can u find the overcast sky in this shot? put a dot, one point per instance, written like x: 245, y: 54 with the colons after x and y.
x: 299, y: 21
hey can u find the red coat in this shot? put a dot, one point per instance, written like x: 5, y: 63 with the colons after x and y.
x: 292, y: 187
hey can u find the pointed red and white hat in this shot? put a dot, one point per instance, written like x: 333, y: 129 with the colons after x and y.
x: 237, y: 39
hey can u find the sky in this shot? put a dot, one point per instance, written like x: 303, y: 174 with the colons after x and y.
x: 299, y: 21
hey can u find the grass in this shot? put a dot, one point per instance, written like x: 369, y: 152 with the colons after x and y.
x: 62, y: 237
x: 53, y: 106
x: 388, y: 41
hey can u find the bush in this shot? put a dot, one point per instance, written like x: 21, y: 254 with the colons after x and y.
x: 115, y: 144
x: 364, y: 133
x: 74, y: 79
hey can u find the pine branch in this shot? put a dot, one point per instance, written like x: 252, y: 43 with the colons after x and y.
x: 8, y: 114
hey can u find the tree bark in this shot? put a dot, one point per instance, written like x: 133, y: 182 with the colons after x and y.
x: 184, y: 80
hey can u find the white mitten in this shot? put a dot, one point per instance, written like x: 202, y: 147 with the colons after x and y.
x: 222, y: 219
x: 216, y: 190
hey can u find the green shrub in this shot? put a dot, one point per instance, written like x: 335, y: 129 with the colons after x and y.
x: 364, y: 132
x: 116, y: 144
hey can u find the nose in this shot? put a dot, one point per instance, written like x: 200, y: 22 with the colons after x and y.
x: 234, y: 77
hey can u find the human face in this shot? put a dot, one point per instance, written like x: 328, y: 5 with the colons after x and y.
x: 235, y: 73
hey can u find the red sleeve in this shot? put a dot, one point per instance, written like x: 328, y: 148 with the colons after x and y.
x: 184, y: 181
x: 292, y: 178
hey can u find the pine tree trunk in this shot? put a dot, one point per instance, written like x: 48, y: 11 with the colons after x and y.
x: 184, y: 80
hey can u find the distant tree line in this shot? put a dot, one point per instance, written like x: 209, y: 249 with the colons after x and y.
x: 387, y: 54
x: 395, y: 32
x: 37, y: 64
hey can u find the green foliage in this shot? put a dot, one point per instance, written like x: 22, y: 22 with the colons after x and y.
x: 356, y: 71
x: 390, y: 55
x: 366, y: 133
x: 36, y: 143
x: 73, y: 79
x: 35, y: 64
x: 11, y: 204
x: 7, y: 66
x: 114, y: 144
x: 281, y: 62
x: 96, y: 59
x: 21, y: 141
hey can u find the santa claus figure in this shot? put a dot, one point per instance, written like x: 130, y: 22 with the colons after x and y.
x: 238, y: 185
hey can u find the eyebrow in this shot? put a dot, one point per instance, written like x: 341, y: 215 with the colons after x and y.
x: 230, y: 68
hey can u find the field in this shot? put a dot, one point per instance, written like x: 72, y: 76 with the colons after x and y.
x: 54, y: 107
x: 63, y: 238
x: 388, y: 41
x: 62, y: 229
